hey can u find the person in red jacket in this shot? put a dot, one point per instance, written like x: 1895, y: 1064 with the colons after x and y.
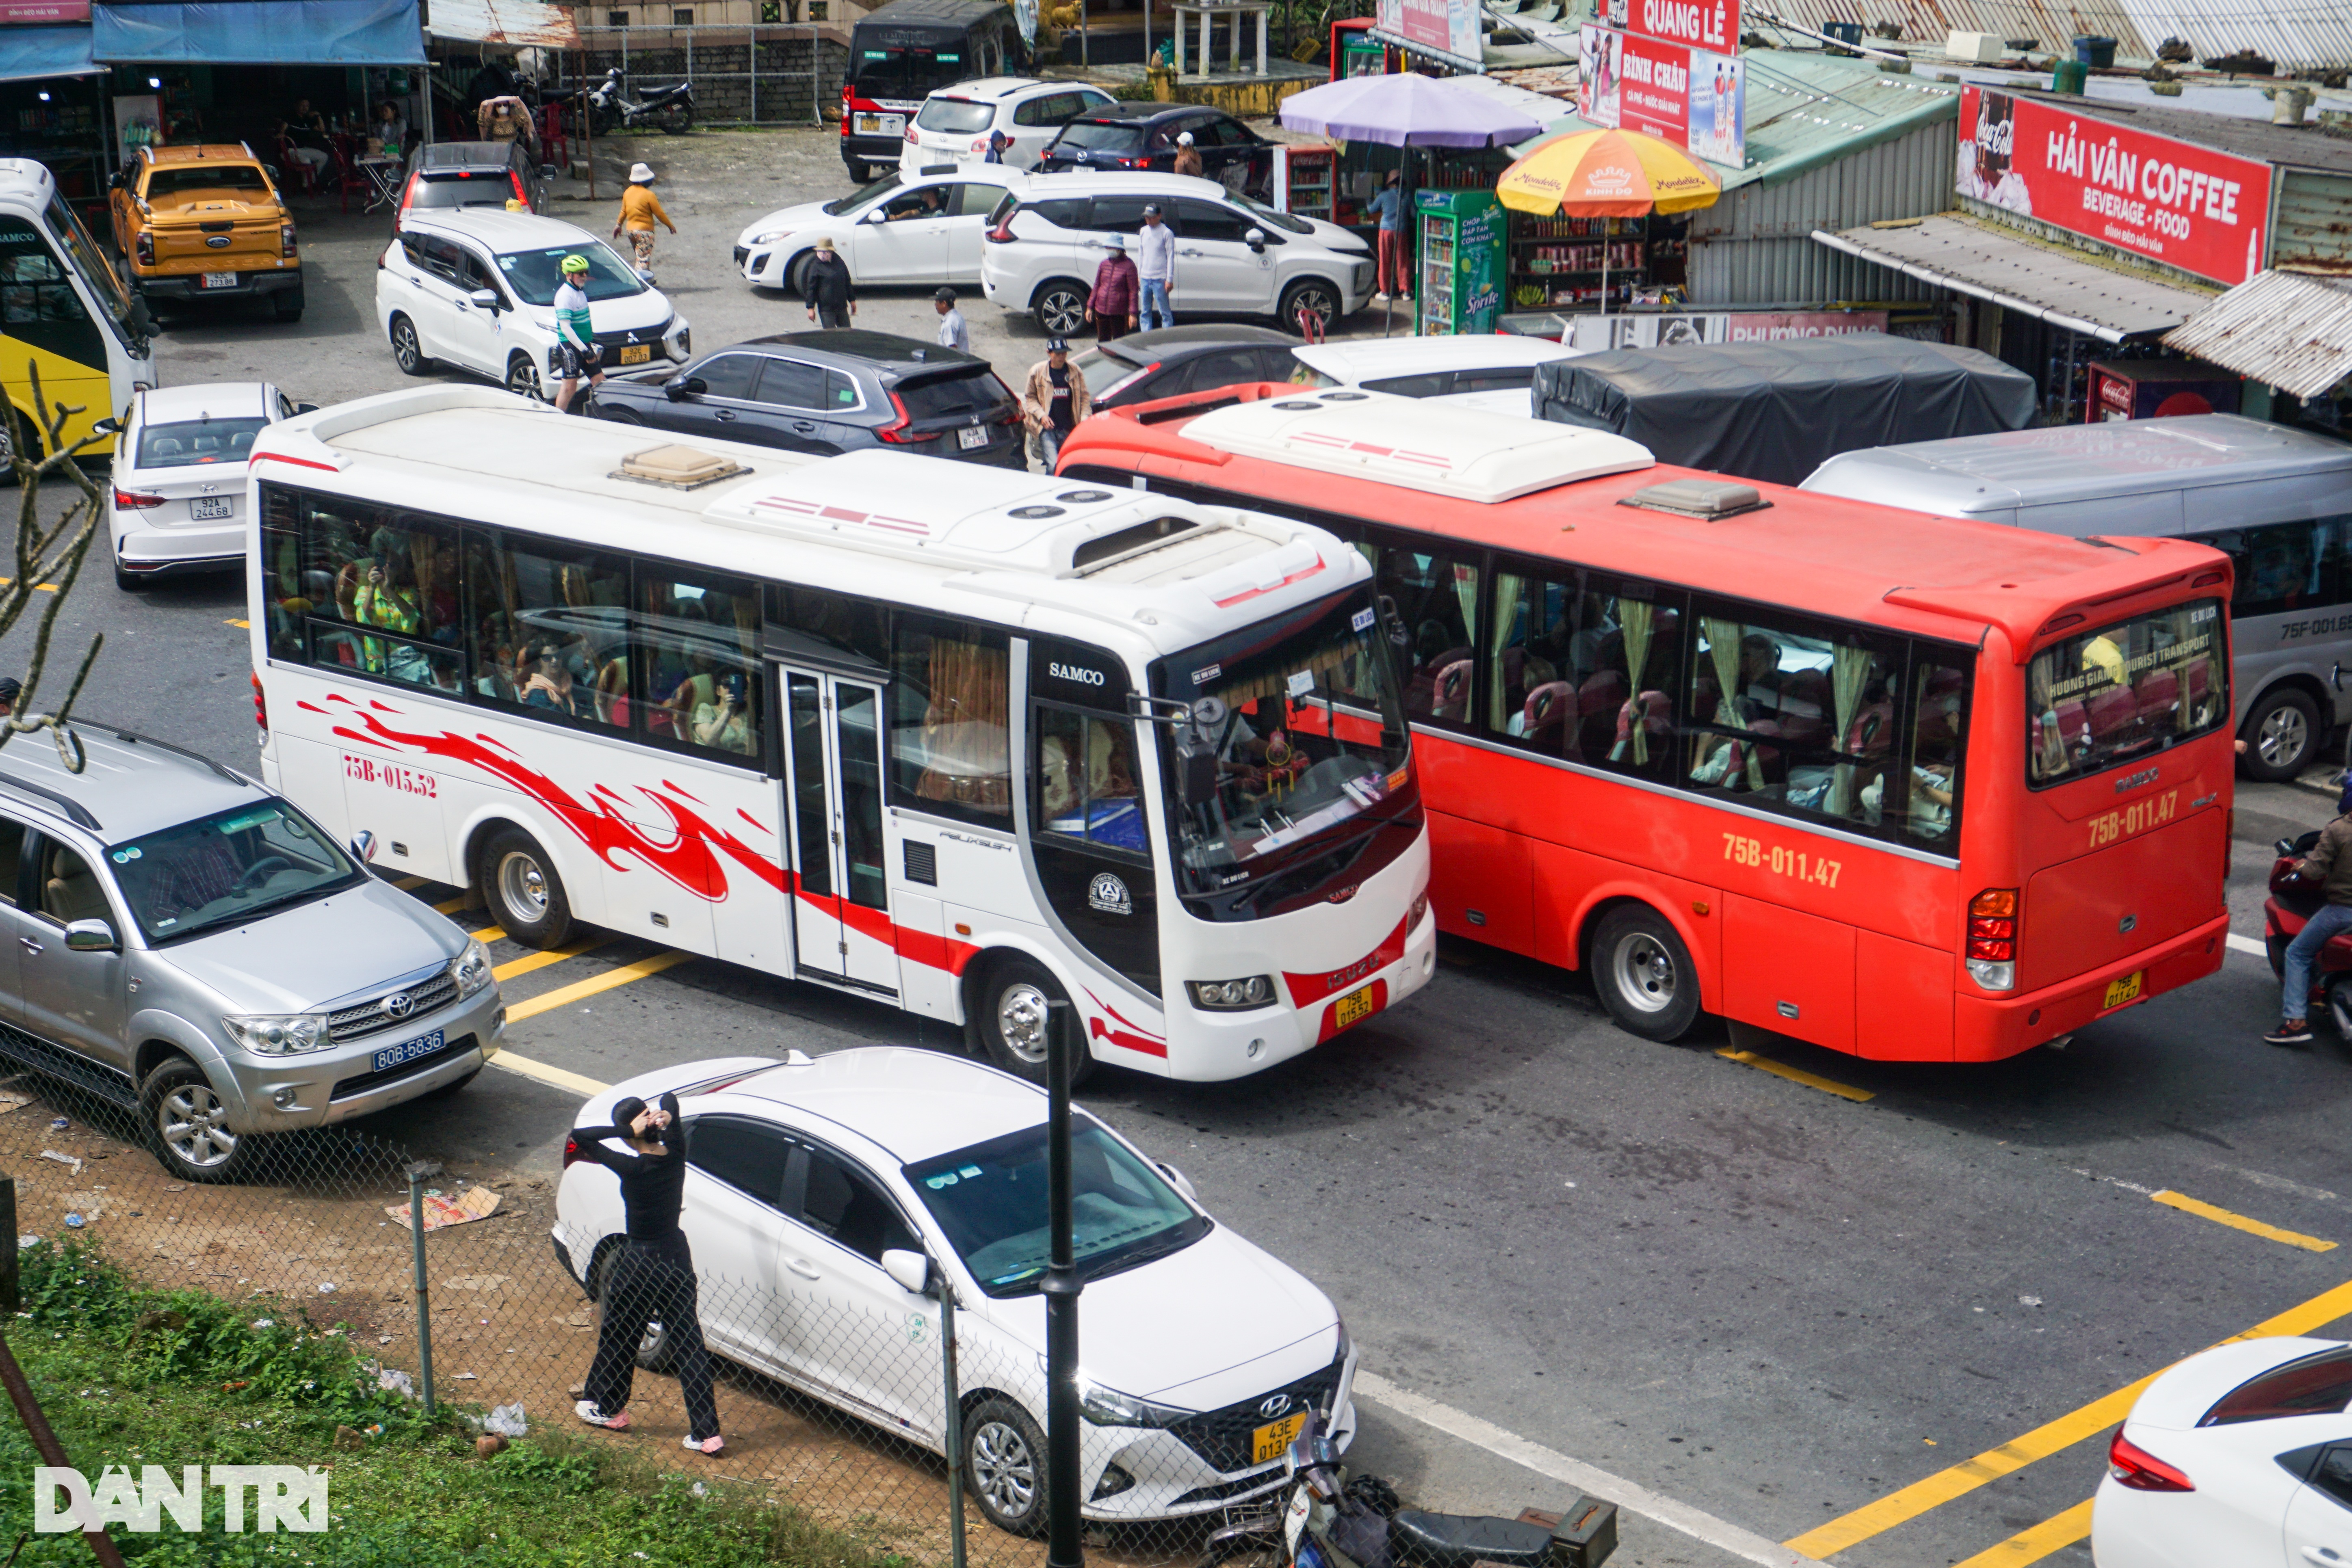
x: 1111, y: 306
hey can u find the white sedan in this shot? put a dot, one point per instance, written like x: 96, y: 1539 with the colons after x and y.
x: 900, y: 229
x: 826, y: 1203
x: 177, y: 503
x: 2240, y: 1455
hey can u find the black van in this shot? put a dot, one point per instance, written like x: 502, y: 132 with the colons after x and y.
x: 902, y: 53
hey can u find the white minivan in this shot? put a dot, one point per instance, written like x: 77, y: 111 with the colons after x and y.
x: 475, y: 290
x: 2277, y: 501
x: 1235, y: 255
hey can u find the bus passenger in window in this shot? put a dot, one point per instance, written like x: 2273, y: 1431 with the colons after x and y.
x: 548, y: 685
x: 725, y: 724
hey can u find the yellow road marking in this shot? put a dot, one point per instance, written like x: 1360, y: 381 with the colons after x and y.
x: 563, y: 997
x: 406, y: 884
x: 2052, y: 1534
x: 489, y: 934
x: 37, y: 588
x: 244, y: 626
x: 1797, y: 1075
x: 450, y: 906
x: 546, y: 1074
x: 2239, y: 1222
x: 524, y: 966
x: 1898, y: 1507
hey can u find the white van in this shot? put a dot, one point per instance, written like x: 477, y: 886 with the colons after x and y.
x: 2277, y: 501
x: 63, y: 310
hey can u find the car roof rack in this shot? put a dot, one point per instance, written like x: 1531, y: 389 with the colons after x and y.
x: 136, y: 739
x: 75, y: 812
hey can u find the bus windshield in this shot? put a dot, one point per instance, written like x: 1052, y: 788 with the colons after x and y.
x: 2120, y: 693
x: 97, y: 275
x: 1297, y: 727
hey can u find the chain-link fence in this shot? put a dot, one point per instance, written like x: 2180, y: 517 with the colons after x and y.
x: 836, y: 1390
x: 778, y: 74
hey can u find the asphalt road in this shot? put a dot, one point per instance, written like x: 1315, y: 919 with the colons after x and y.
x: 1752, y: 1295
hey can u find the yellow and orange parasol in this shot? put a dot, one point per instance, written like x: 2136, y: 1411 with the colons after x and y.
x: 1607, y: 174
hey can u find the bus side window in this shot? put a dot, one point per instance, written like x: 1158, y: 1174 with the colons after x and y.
x: 1436, y: 603
x: 1625, y: 651
x: 37, y: 302
x: 691, y: 670
x: 1939, y: 715
x: 369, y: 590
x: 951, y: 727
x: 1530, y: 637
x: 1086, y: 779
x: 544, y: 626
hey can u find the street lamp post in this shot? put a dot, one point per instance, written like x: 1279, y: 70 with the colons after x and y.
x: 1061, y: 1292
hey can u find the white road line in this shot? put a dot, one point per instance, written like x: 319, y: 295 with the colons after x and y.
x: 1632, y: 1498
x: 2247, y: 945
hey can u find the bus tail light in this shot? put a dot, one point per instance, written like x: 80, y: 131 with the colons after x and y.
x: 133, y: 501
x: 1993, y: 938
x: 261, y: 705
x: 2135, y: 1467
x: 896, y: 431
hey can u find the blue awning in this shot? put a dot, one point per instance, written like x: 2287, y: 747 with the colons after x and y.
x: 28, y: 54
x: 260, y: 33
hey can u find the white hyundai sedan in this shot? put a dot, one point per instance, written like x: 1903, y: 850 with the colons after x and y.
x: 177, y: 502
x: 902, y: 228
x: 2240, y: 1455
x: 826, y: 1202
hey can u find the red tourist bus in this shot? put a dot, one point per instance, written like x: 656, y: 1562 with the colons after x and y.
x: 1907, y: 787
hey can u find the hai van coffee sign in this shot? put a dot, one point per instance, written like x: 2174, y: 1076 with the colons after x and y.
x: 2187, y: 206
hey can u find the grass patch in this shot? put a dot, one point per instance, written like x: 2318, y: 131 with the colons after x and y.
x: 134, y: 1377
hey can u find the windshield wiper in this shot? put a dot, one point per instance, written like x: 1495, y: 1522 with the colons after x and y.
x: 1177, y: 1237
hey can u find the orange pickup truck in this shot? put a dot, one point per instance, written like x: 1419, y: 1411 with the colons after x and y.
x: 206, y: 222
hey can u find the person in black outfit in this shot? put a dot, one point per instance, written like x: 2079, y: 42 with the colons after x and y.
x: 827, y: 290
x: 652, y: 1281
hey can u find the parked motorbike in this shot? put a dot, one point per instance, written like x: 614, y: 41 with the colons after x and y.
x: 669, y: 109
x: 1332, y: 1520
x: 2292, y: 901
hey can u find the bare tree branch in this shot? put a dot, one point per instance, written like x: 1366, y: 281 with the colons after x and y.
x: 47, y: 560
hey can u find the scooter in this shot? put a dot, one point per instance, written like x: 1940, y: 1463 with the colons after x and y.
x: 1334, y: 1521
x: 2292, y: 901
x: 669, y: 109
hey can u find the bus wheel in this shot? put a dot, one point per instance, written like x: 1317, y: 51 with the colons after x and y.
x: 407, y: 351
x: 8, y: 446
x: 1643, y: 974
x: 2281, y: 736
x: 1016, y: 1001
x: 524, y: 894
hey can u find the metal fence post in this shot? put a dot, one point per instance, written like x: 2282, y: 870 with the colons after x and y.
x: 954, y: 1421
x: 417, y: 1172
x: 11, y: 1295
x: 754, y: 70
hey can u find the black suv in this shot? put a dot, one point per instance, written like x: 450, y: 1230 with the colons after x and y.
x: 829, y: 393
x: 472, y: 174
x: 1135, y: 135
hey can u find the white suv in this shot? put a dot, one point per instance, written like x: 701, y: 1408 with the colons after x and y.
x: 475, y: 290
x: 1235, y: 255
x: 955, y: 122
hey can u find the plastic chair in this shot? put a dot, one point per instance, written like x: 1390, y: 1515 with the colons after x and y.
x: 346, y: 175
x: 294, y: 170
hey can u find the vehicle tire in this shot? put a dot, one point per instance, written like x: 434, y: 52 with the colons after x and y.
x: 186, y: 1125
x: 677, y: 122
x: 8, y: 447
x: 408, y: 348
x: 1005, y: 1466
x: 796, y: 275
x: 1643, y: 974
x: 451, y: 1089
x: 2281, y: 736
x: 619, y: 416
x: 522, y: 378
x: 525, y: 896
x: 128, y: 581
x: 1313, y: 296
x: 1014, y: 1014
x: 288, y: 304
x: 657, y: 1350
x: 1060, y: 308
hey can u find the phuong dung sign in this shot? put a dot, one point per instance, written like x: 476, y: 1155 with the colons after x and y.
x: 2187, y: 206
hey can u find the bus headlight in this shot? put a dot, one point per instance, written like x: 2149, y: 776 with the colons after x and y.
x: 1232, y: 996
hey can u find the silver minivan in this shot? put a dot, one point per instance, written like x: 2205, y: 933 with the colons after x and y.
x: 194, y: 948
x: 2277, y: 501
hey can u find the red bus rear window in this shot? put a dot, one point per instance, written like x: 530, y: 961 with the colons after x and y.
x: 2115, y: 694
x: 2315, y: 1386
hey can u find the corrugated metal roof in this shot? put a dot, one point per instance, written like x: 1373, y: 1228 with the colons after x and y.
x: 2311, y: 230
x: 521, y: 24
x: 2292, y: 146
x: 1756, y: 246
x: 2291, y: 32
x: 2068, y: 288
x: 2291, y: 331
x: 1806, y: 109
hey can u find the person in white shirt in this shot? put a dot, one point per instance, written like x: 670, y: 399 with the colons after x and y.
x: 1155, y: 263
x: 953, y: 333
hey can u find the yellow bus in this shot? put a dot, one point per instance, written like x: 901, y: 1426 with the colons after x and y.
x: 64, y: 309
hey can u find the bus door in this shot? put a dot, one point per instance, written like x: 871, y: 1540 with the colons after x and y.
x: 43, y: 323
x: 842, y: 928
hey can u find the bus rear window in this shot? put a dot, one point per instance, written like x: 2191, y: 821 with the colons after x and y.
x: 900, y: 73
x: 2113, y: 694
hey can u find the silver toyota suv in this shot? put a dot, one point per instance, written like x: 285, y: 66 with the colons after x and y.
x: 190, y: 945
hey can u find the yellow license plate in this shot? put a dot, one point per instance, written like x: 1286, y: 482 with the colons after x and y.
x: 2123, y: 990
x: 636, y: 353
x: 1268, y: 1443
x: 1354, y: 1008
